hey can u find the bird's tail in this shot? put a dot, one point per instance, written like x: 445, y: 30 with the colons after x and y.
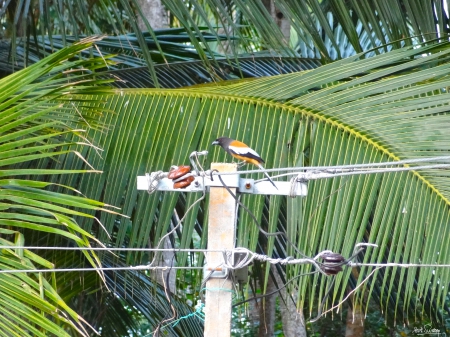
x: 268, y: 177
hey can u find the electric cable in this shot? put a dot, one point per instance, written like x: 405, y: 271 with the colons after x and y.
x: 355, y: 167
x: 255, y: 220
x: 179, y: 222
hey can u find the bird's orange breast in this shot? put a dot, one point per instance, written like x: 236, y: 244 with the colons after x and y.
x: 246, y: 159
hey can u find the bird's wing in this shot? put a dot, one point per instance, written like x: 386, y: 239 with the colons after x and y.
x: 245, y: 151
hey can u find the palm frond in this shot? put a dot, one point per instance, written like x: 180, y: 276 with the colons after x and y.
x: 321, y: 29
x: 352, y: 111
x: 34, y: 128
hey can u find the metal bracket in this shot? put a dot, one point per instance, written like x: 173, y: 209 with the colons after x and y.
x: 241, y: 274
x: 219, y: 272
x: 247, y: 186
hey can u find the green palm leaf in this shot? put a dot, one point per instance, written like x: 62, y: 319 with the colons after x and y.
x: 352, y: 111
x: 34, y: 128
x: 322, y: 29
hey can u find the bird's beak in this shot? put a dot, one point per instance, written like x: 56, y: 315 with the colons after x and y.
x: 215, y: 142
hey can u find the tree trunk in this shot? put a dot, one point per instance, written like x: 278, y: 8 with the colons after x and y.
x: 293, y: 319
x: 13, y: 31
x: 279, y: 18
x: 267, y: 311
x: 155, y: 13
x: 355, y: 315
x: 166, y: 259
x: 355, y: 321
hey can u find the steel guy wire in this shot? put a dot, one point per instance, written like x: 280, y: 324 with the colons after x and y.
x: 228, y: 254
x: 352, y: 167
x: 313, y: 175
x: 50, y: 270
x: 174, y: 250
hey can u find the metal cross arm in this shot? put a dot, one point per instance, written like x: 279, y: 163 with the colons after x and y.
x: 244, y: 185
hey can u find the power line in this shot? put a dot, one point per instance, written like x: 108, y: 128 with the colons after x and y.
x: 354, y: 166
x: 174, y: 250
x: 141, y: 267
x: 266, y: 259
x: 312, y: 175
x: 228, y: 255
x: 400, y: 265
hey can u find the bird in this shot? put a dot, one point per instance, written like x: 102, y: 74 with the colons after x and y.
x: 241, y: 151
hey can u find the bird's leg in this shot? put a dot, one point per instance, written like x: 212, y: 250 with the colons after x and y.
x: 242, y: 163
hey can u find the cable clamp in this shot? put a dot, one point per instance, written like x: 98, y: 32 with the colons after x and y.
x: 153, y: 180
x: 216, y: 272
x: 193, y: 157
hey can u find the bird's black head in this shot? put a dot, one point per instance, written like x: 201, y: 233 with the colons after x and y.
x: 222, y: 141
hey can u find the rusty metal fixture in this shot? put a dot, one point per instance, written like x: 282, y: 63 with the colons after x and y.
x: 331, y: 270
x: 179, y: 172
x: 184, y: 183
x: 332, y: 258
x: 332, y: 263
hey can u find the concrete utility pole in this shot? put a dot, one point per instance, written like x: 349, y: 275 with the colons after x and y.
x: 221, y: 235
